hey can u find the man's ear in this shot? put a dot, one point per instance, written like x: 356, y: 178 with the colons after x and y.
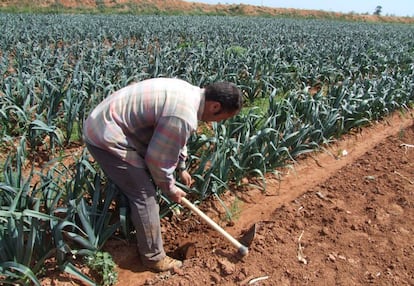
x: 215, y: 107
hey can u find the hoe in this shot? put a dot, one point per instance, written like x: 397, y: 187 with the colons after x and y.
x: 246, y: 239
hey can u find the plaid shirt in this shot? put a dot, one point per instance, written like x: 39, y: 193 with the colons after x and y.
x: 147, y: 124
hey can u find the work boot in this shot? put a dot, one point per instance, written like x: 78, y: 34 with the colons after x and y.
x: 165, y: 264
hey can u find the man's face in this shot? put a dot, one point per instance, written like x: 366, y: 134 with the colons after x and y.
x: 214, y: 113
x: 217, y: 116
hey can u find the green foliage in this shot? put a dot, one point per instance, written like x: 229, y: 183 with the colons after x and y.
x: 25, y: 230
x: 41, y: 222
x: 236, y: 51
x: 102, y: 263
x: 305, y: 83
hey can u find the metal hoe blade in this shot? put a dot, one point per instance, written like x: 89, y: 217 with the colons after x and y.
x: 248, y: 236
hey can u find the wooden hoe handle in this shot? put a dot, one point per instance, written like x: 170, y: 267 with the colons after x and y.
x: 243, y: 250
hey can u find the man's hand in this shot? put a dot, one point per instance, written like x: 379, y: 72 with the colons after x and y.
x: 185, y: 177
x: 177, y: 195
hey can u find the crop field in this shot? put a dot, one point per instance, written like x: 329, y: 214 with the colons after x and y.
x: 306, y: 82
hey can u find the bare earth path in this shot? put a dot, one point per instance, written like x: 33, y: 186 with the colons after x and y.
x: 333, y: 220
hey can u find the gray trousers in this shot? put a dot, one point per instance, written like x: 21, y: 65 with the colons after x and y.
x: 137, y: 185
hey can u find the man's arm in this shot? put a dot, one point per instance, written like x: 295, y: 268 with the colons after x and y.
x: 182, y: 158
x: 164, y: 151
x: 185, y: 176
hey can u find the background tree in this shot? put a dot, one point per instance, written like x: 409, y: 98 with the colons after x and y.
x: 378, y: 10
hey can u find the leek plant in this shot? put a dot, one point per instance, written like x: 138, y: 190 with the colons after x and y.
x: 39, y: 222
